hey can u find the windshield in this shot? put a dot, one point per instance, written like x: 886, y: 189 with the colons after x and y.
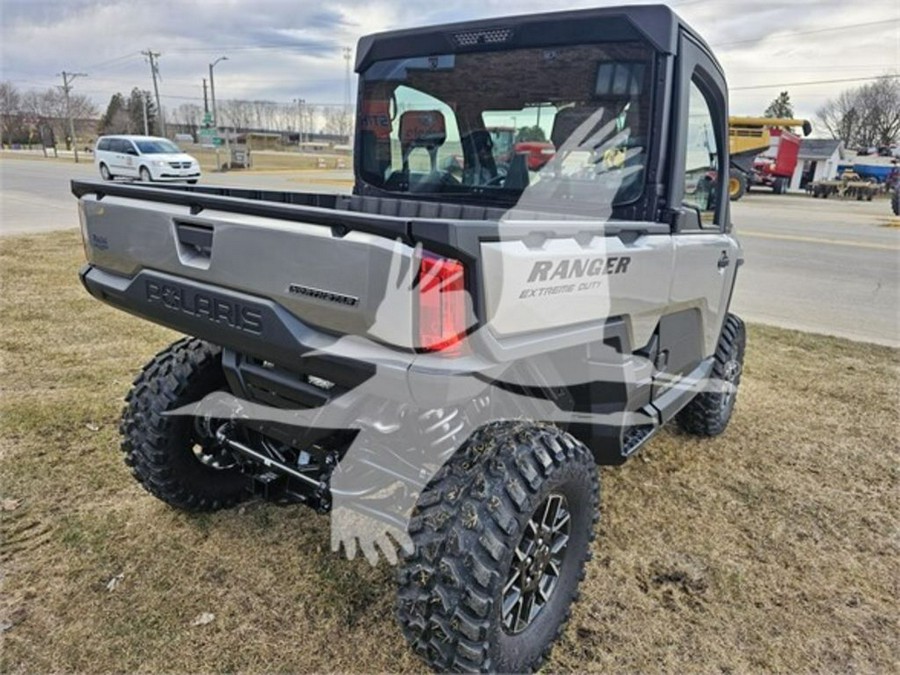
x: 568, y: 124
x: 160, y: 147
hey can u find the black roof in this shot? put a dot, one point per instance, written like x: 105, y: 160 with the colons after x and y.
x: 657, y: 24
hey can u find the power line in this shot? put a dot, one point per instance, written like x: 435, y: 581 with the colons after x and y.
x: 803, y: 84
x: 263, y: 45
x: 806, y: 32
x: 114, y: 61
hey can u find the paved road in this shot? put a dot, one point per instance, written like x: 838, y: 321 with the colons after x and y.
x: 824, y: 266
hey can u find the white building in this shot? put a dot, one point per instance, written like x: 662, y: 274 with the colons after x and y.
x: 818, y: 159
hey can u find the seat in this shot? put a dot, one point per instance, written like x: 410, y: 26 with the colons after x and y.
x: 421, y: 129
x: 478, y: 151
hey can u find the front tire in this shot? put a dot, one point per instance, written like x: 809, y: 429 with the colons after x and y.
x: 895, y: 202
x: 173, y: 457
x: 146, y: 176
x: 501, y: 535
x: 709, y: 412
x: 104, y: 172
x: 737, y: 185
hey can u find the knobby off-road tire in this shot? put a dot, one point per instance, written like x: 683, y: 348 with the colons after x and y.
x: 171, y: 456
x: 710, y: 411
x: 471, y: 527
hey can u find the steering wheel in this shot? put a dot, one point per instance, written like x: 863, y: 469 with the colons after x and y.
x: 499, y: 179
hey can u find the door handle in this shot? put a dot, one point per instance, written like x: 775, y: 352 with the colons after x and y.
x: 724, y: 260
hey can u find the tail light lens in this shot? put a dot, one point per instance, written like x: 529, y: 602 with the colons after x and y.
x: 442, y: 306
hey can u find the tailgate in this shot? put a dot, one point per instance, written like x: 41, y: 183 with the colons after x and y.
x: 332, y: 278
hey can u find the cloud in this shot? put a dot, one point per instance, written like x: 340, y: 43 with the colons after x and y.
x: 279, y: 50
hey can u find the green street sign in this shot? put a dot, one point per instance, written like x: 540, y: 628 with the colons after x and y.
x: 208, y: 136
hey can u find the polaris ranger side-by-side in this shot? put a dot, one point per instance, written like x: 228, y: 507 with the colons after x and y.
x: 442, y: 358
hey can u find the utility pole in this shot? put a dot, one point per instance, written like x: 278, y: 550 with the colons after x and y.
x: 212, y: 95
x: 300, y: 103
x: 67, y: 87
x: 154, y: 71
x: 144, y: 107
x: 205, y: 101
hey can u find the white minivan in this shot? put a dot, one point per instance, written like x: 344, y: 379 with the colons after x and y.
x: 147, y: 158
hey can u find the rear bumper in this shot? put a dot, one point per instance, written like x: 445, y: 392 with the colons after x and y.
x: 244, y: 323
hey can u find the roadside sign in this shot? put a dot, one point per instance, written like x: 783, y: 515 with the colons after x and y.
x: 209, y: 137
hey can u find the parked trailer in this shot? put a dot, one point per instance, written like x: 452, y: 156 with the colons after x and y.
x: 849, y: 185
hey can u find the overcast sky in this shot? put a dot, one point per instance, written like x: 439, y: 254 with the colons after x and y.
x: 281, y: 50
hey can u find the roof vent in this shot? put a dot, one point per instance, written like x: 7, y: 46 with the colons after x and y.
x: 490, y: 36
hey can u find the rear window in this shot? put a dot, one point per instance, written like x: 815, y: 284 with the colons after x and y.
x: 564, y: 128
x: 103, y: 144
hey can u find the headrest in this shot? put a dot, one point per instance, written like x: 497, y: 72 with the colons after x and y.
x: 569, y: 119
x: 422, y: 129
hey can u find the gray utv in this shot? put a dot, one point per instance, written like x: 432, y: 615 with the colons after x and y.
x: 442, y: 358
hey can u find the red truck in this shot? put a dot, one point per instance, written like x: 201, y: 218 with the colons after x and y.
x: 775, y: 166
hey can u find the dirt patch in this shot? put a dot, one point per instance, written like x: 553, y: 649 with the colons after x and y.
x: 772, y: 548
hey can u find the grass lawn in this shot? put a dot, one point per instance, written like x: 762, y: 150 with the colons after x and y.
x: 772, y: 548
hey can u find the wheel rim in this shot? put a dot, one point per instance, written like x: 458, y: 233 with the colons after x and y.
x: 145, y: 175
x: 206, y: 449
x: 537, y: 563
x: 104, y: 172
x: 729, y: 377
x: 734, y: 185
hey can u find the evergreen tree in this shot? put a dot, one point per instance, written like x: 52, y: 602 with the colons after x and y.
x: 115, y: 119
x: 780, y: 107
x: 136, y: 103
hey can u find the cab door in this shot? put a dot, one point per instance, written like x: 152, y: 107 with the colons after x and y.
x: 706, y: 255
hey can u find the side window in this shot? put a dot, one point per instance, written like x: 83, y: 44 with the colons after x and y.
x: 702, y: 158
x: 103, y: 144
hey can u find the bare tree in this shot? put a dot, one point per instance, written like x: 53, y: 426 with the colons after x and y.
x: 339, y: 121
x: 10, y: 112
x: 866, y: 116
x: 188, y: 115
x: 309, y: 115
x: 236, y: 113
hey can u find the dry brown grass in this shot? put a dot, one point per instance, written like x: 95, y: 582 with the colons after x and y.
x: 773, y: 548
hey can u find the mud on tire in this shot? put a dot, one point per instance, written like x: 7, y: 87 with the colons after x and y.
x: 709, y: 412
x: 169, y: 455
x: 470, y: 529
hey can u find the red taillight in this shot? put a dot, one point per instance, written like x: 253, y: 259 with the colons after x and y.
x: 442, y: 305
